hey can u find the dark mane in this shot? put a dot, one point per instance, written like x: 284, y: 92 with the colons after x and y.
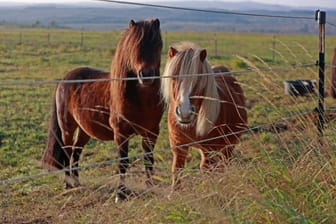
x: 141, y: 41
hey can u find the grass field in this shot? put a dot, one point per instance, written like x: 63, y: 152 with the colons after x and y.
x: 274, y: 177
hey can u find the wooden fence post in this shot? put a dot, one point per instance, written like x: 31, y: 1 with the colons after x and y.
x: 216, y: 47
x: 273, y: 46
x: 48, y: 36
x: 82, y: 37
x: 332, y: 90
x: 20, y: 38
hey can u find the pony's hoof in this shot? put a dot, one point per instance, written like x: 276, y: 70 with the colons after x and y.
x: 70, y: 183
x: 122, y: 193
x: 120, y: 197
x: 67, y: 186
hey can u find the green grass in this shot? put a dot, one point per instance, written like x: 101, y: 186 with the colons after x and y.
x: 275, y: 177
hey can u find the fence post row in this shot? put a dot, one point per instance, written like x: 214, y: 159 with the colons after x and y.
x: 320, y: 16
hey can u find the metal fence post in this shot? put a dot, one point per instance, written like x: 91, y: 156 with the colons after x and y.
x: 320, y: 16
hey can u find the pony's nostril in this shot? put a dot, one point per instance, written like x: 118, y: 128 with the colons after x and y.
x: 192, y: 108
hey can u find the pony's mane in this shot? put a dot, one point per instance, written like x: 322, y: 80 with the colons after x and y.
x: 141, y: 41
x: 186, y: 62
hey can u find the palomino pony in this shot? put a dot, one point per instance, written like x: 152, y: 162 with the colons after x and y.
x: 205, y: 111
x: 110, y: 110
x: 332, y: 90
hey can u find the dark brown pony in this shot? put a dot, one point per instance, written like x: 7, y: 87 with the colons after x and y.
x: 110, y: 110
x: 332, y: 90
x: 205, y: 111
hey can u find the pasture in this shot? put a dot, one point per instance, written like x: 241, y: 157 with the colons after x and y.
x: 276, y: 175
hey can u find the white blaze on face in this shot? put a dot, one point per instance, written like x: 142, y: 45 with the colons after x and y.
x: 184, y: 111
x: 185, y: 103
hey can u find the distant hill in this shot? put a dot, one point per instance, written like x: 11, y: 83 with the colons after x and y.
x: 104, y: 16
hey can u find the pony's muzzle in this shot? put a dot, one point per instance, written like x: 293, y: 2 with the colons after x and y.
x: 146, y: 77
x: 185, y: 115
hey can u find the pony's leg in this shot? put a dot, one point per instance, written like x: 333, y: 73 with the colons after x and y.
x: 68, y: 126
x: 179, y: 160
x: 204, y: 160
x: 148, y: 144
x: 122, y: 143
x: 82, y: 139
x: 69, y: 149
x: 68, y: 180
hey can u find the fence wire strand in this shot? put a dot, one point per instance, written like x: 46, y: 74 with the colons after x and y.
x: 207, y: 10
x: 331, y: 24
x: 250, y: 70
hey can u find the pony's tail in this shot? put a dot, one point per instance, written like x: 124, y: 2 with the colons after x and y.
x: 54, y: 155
x: 332, y: 90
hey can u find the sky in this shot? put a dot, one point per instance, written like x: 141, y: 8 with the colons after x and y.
x: 301, y: 3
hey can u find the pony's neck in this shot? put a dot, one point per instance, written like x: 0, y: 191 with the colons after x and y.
x: 118, y: 86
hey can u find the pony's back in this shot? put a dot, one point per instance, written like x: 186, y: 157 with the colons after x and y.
x: 219, y: 69
x: 232, y: 92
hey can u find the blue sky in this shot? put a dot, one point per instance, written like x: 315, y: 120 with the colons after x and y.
x: 301, y: 3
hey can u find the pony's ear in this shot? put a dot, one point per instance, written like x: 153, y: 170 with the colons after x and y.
x: 156, y: 23
x: 172, y: 52
x: 203, y: 55
x: 131, y: 23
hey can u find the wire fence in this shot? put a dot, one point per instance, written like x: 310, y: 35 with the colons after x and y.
x: 109, y: 162
x: 257, y: 128
x: 276, y: 50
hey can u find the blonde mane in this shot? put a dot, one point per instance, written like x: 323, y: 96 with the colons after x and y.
x: 186, y: 62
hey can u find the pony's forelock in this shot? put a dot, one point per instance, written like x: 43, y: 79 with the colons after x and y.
x: 187, y: 62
